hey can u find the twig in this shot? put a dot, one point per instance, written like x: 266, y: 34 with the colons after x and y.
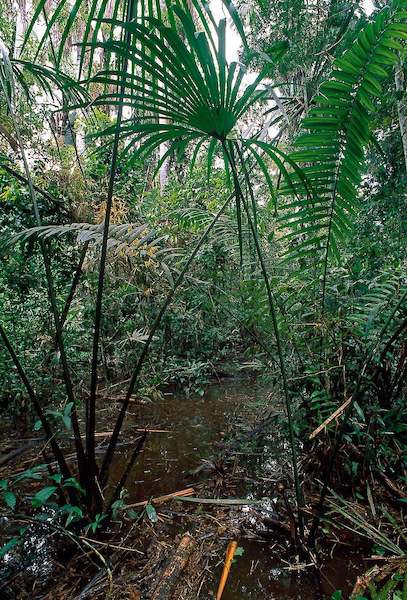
x: 162, y: 499
x: 333, y: 416
x: 107, y: 545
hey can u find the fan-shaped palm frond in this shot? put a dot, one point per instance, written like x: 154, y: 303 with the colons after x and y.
x: 48, y: 80
x: 184, y: 80
x: 26, y: 73
x: 333, y: 148
x: 88, y: 18
x: 181, y: 92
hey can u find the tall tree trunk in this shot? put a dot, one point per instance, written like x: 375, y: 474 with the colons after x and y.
x: 164, y: 169
x: 21, y: 26
x: 401, y: 106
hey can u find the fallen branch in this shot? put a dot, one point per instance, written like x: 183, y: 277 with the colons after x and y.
x: 103, y: 434
x: 162, y: 499
x: 230, y: 552
x: 219, y: 501
x: 15, y: 453
x: 107, y: 545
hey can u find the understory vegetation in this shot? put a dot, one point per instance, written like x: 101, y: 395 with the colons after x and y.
x: 193, y: 193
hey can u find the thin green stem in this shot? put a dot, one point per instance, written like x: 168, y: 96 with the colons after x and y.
x: 134, y: 380
x: 238, y: 190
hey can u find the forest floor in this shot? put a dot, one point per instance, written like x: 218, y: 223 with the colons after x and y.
x: 209, y: 448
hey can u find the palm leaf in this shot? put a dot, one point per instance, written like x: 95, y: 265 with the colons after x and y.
x: 95, y: 13
x: 332, y: 149
x: 119, y: 235
x: 371, y: 309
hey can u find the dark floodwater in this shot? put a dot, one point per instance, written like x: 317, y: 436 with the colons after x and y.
x: 193, y: 426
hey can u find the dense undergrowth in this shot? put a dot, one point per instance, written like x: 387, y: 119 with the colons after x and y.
x: 191, y: 226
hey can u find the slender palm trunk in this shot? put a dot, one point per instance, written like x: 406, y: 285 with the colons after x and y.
x: 91, y: 403
x: 238, y: 192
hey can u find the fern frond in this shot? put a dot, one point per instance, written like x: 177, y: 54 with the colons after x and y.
x: 332, y: 149
x: 372, y: 308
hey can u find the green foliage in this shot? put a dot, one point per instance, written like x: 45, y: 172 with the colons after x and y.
x: 151, y: 513
x: 338, y: 229
x: 334, y: 146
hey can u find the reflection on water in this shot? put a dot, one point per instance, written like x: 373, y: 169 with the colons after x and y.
x: 258, y: 575
x: 193, y: 425
x: 189, y: 430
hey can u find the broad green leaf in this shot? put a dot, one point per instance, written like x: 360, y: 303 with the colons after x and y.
x: 9, y: 546
x: 10, y: 499
x: 43, y: 496
x: 151, y: 513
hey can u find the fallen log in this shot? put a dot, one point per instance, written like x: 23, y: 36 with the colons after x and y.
x: 173, y: 569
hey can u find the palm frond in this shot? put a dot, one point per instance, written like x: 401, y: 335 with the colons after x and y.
x: 197, y: 92
x: 95, y: 13
x: 371, y: 309
x: 333, y: 147
x: 120, y: 236
x: 25, y: 73
x: 48, y: 80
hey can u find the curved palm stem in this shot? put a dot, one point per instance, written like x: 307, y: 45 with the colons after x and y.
x: 91, y: 403
x: 229, y: 152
